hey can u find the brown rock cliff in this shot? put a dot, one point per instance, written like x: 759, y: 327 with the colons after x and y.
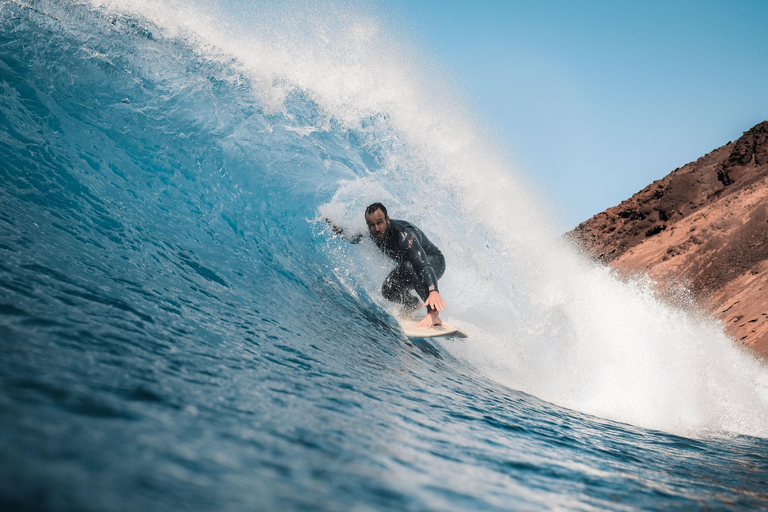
x: 705, y: 227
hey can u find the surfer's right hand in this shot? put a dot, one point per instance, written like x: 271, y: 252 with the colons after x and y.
x: 336, y: 229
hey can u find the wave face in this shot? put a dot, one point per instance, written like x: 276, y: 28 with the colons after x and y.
x: 180, y: 330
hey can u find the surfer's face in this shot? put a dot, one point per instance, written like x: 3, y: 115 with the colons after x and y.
x: 378, y: 224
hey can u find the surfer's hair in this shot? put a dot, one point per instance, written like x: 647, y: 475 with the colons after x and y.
x: 377, y: 206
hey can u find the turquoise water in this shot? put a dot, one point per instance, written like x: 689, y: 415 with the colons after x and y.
x: 180, y: 331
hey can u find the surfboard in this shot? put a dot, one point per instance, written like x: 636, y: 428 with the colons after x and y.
x: 411, y: 330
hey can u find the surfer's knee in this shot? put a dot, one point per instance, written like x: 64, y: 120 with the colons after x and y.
x: 392, y: 289
x: 386, y: 289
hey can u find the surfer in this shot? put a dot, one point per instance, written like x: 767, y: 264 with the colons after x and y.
x: 420, y: 262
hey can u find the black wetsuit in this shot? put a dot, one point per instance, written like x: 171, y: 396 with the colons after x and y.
x: 421, y: 264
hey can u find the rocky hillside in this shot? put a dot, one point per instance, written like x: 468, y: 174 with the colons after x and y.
x: 705, y: 227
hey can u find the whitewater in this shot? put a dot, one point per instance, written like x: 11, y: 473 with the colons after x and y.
x: 180, y: 330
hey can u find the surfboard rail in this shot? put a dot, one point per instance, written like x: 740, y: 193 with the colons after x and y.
x: 412, y: 330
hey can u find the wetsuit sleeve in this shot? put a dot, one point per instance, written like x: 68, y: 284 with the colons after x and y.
x: 353, y: 238
x: 413, y: 251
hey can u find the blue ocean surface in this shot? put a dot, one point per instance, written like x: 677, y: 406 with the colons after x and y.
x: 180, y: 330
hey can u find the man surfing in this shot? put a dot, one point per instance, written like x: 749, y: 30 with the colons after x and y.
x: 420, y: 262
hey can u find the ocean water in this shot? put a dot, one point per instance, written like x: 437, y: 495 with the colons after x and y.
x: 179, y: 330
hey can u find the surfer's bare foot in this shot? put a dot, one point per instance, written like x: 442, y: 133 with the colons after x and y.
x: 431, y: 319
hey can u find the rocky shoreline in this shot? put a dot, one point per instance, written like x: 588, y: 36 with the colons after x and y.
x: 702, y: 228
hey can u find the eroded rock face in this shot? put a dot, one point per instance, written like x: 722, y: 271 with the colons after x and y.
x: 704, y: 225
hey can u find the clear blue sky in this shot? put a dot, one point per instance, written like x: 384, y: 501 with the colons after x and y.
x: 599, y: 98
